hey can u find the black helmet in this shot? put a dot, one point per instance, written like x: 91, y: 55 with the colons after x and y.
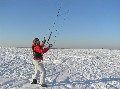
x: 36, y: 39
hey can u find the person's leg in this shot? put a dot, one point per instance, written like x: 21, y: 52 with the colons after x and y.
x: 42, y: 72
x: 34, y: 76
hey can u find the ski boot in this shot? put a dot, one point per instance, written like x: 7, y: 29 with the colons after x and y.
x: 34, y: 81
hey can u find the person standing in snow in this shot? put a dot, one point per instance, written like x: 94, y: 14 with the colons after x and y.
x: 38, y: 52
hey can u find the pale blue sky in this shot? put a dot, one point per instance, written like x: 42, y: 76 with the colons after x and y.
x: 80, y: 24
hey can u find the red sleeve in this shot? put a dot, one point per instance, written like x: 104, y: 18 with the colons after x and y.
x: 40, y: 50
x: 45, y: 50
x: 41, y: 45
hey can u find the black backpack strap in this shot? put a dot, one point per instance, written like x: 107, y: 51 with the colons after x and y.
x: 33, y: 47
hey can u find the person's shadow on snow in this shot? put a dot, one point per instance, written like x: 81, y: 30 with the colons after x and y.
x: 73, y: 83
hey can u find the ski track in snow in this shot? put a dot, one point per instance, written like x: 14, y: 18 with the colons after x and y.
x: 65, y: 68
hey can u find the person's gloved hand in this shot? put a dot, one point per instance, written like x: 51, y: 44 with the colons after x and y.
x: 44, y: 41
x: 50, y: 45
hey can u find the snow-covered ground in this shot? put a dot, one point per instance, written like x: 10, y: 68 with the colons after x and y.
x: 65, y: 68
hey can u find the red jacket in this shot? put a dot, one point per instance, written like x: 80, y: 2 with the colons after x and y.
x: 39, y: 51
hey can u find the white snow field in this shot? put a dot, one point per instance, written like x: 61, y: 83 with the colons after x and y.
x: 65, y: 68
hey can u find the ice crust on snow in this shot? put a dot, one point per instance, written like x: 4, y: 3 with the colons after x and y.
x: 65, y: 68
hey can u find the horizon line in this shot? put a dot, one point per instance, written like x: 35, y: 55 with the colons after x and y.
x: 65, y: 48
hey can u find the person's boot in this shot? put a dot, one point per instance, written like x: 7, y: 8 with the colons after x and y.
x: 34, y: 81
x: 43, y: 85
